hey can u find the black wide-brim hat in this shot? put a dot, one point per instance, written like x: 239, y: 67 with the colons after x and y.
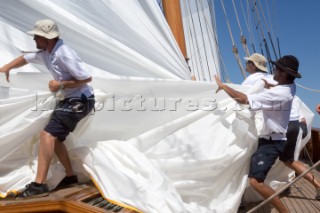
x: 288, y: 64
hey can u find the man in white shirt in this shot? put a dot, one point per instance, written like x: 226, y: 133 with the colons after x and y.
x: 70, y: 78
x: 275, y: 104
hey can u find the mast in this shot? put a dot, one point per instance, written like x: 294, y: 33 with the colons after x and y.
x: 172, y: 12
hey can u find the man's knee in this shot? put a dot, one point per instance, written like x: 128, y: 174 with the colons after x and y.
x: 44, y: 135
x: 255, y: 182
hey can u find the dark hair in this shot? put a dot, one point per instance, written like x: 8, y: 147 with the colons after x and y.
x: 56, y: 38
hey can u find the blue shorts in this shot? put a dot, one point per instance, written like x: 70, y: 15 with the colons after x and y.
x: 67, y: 114
x: 262, y: 160
x: 292, y: 135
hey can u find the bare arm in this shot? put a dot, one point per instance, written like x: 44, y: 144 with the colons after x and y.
x: 16, y: 63
x: 318, y: 108
x: 236, y: 95
x: 54, y: 85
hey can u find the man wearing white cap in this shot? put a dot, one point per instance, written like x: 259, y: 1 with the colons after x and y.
x: 70, y: 78
x: 256, y: 66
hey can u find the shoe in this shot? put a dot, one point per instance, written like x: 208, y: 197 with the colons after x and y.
x: 286, y: 192
x: 67, y: 182
x: 317, y: 194
x: 34, y: 190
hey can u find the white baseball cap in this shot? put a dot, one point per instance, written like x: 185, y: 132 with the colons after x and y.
x: 45, y: 28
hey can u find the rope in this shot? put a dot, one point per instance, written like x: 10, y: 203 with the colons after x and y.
x: 247, y: 24
x: 234, y: 48
x: 223, y: 68
x: 278, y: 42
x: 259, y: 21
x: 245, y: 47
x: 269, y: 18
x: 275, y: 15
x: 242, y: 38
x: 235, y: 10
x: 235, y: 52
x: 306, y: 88
x: 263, y: 37
x: 271, y: 30
x: 228, y: 24
x: 257, y: 29
x: 270, y: 38
x: 305, y: 150
x: 264, y: 18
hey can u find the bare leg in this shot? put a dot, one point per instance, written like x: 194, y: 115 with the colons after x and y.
x: 266, y: 191
x: 63, y: 156
x: 46, y: 151
x: 299, y: 168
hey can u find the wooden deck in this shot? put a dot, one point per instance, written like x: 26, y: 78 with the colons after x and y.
x: 82, y: 198
x: 85, y: 198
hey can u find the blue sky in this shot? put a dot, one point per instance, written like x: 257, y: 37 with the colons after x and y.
x: 295, y: 23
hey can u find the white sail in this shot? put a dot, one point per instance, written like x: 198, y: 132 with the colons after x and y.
x: 201, y: 39
x: 156, y: 141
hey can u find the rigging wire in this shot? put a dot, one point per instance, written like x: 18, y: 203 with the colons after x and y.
x: 223, y: 69
x: 306, y: 88
x: 235, y: 11
x: 271, y: 29
x: 259, y: 24
x: 268, y: 30
x: 269, y: 20
x: 276, y: 27
x: 257, y: 29
x: 228, y: 24
x: 262, y: 34
x: 234, y: 48
x: 248, y: 24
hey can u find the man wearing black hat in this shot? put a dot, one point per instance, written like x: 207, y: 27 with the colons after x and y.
x: 275, y: 104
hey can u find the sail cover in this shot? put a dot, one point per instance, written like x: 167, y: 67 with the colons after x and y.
x: 156, y: 141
